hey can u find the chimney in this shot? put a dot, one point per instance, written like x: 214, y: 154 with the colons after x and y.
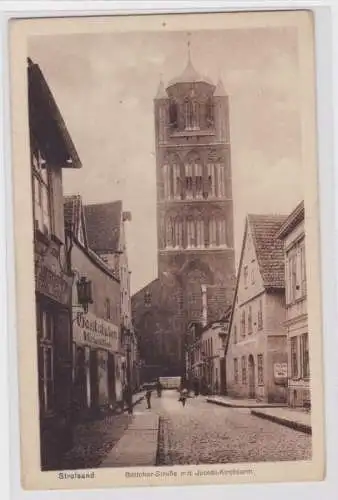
x: 204, y: 305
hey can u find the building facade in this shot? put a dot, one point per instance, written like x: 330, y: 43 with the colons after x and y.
x: 292, y: 233
x: 51, y: 150
x: 106, y: 227
x: 98, y: 355
x: 256, y: 355
x: 194, y: 211
x: 205, y: 356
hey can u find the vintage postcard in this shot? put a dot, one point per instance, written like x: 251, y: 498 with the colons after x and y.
x: 167, y: 249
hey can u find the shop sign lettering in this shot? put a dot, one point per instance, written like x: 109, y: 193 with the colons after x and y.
x: 96, y: 332
x: 53, y: 285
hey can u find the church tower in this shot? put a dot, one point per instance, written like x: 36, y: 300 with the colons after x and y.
x: 194, y: 195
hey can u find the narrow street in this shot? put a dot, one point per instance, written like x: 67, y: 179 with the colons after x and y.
x: 206, y: 433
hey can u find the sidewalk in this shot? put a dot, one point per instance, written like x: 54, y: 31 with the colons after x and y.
x: 242, y: 403
x: 93, y: 439
x: 138, y: 445
x: 298, y: 420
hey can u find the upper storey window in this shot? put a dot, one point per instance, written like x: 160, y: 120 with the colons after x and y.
x: 41, y: 194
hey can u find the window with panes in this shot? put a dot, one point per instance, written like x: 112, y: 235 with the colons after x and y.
x: 41, y: 193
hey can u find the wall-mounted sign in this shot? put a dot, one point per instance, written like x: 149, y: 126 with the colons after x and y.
x: 95, y: 332
x: 280, y: 370
x: 55, y: 286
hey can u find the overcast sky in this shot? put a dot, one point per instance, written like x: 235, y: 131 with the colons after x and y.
x: 105, y: 84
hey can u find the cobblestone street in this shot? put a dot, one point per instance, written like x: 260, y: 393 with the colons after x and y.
x: 205, y: 433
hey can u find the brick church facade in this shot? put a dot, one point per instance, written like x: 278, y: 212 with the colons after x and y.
x: 194, y: 220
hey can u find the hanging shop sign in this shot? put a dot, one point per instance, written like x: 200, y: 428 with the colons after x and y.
x: 95, y: 332
x: 55, y: 286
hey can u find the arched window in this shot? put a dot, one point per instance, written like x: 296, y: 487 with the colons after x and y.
x: 221, y: 230
x: 210, y: 113
x: 173, y: 114
x: 198, y: 180
x: 191, y: 233
x: 178, y: 233
x: 169, y: 233
x: 189, y: 180
x: 220, y: 180
x: 211, y: 180
x: 188, y: 114
x: 212, y: 232
x: 195, y: 115
x: 200, y: 233
x: 166, y: 181
x: 176, y: 180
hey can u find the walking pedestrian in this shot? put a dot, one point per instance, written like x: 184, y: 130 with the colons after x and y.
x: 148, y: 398
x: 159, y: 388
x: 183, y: 396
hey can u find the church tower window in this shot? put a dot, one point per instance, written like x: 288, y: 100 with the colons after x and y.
x: 191, y: 233
x: 212, y: 232
x: 198, y: 180
x: 176, y: 180
x: 178, y: 233
x: 221, y: 229
x: 211, y: 180
x: 169, y: 233
x: 166, y: 181
x: 173, y: 114
x: 220, y: 180
x: 189, y: 180
x: 200, y: 233
x: 210, y: 113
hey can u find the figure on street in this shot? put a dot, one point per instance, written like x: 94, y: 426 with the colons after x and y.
x: 159, y: 388
x: 148, y: 398
x: 183, y: 396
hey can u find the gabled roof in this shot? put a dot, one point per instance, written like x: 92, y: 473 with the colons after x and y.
x: 269, y: 252
x: 296, y: 216
x: 103, y: 221
x: 46, y: 123
x: 269, y: 249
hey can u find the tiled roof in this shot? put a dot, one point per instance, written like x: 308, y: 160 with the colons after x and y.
x: 103, y: 223
x: 269, y: 249
x: 72, y: 212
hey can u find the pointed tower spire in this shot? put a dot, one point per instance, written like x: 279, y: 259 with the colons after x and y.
x: 161, y: 93
x: 219, y: 90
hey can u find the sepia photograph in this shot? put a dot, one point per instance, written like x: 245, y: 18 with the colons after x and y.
x: 166, y: 213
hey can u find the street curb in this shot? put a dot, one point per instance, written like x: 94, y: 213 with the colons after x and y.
x: 231, y: 405
x: 297, y: 426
